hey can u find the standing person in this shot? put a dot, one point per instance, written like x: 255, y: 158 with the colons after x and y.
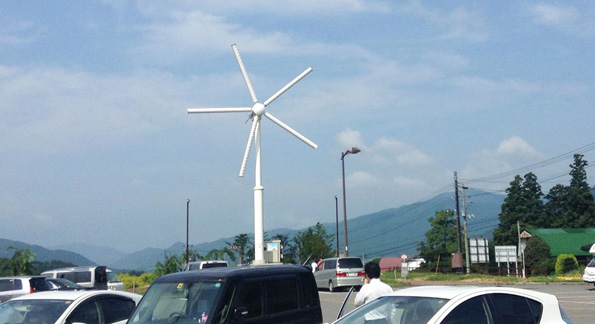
x: 314, y: 265
x: 373, y: 287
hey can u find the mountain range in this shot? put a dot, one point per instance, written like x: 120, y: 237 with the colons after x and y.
x: 390, y: 232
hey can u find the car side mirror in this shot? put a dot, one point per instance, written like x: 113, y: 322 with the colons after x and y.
x: 240, y: 312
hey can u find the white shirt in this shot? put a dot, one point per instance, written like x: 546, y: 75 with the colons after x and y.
x: 314, y: 266
x: 371, y: 291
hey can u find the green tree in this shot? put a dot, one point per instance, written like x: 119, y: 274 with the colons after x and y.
x: 241, y: 246
x: 219, y: 254
x: 522, y: 204
x: 537, y: 255
x: 314, y: 242
x: 171, y: 263
x: 572, y: 206
x: 441, y: 239
x: 21, y: 262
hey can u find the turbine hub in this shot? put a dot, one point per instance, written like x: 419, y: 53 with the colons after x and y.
x: 258, y: 109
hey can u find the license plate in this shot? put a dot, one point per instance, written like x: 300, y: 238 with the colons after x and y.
x: 352, y: 274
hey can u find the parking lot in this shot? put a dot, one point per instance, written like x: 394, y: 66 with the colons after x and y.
x: 577, y: 299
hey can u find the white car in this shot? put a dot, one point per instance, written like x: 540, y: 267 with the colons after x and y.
x: 589, y: 274
x: 61, y: 307
x: 460, y: 305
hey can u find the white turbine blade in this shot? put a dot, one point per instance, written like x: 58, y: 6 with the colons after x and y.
x: 255, y: 122
x: 218, y: 110
x: 244, y: 73
x: 291, y: 130
x: 289, y: 85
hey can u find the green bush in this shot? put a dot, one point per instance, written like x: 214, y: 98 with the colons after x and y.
x: 144, y: 279
x: 566, y: 263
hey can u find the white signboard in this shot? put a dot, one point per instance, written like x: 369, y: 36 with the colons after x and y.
x: 505, y: 253
x: 479, y: 251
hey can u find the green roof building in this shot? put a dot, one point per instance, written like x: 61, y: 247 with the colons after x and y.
x: 566, y: 240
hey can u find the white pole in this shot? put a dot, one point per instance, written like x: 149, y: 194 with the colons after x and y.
x: 258, y: 205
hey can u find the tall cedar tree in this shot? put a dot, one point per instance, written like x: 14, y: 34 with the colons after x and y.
x: 523, y: 204
x: 572, y: 206
x: 441, y: 239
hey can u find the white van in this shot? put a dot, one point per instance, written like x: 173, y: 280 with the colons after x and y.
x: 199, y: 265
x: 589, y: 274
x: 98, y: 277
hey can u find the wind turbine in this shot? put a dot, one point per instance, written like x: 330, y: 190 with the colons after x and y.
x: 256, y: 112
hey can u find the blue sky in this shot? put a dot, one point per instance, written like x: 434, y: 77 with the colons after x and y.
x: 96, y: 144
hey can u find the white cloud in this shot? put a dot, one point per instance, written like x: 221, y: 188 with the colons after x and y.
x: 350, y: 138
x: 551, y: 15
x: 458, y: 24
x: 516, y: 146
x: 511, y: 153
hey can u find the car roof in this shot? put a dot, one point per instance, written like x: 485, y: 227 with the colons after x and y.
x: 23, y: 277
x: 452, y: 292
x: 233, y: 272
x: 74, y: 295
x: 68, y: 269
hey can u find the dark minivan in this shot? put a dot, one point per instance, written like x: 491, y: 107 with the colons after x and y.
x: 253, y: 294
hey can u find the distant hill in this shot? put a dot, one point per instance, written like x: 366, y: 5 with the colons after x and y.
x: 42, y: 254
x: 398, y: 231
x: 99, y: 254
x: 390, y: 232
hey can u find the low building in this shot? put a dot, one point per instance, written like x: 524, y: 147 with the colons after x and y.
x: 567, y: 241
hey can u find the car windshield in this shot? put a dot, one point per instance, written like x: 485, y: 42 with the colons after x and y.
x: 178, y: 302
x: 395, y: 309
x: 112, y: 277
x: 350, y: 263
x: 592, y: 263
x: 33, y: 311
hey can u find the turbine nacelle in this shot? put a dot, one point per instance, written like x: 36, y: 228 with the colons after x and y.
x: 258, y: 109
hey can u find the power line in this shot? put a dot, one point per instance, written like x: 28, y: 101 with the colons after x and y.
x: 550, y: 161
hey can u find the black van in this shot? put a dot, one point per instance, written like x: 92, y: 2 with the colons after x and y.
x: 254, y: 294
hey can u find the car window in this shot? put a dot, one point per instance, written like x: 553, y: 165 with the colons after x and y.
x: 116, y: 309
x: 6, y: 284
x: 474, y: 310
x: 350, y: 263
x: 514, y: 309
x: 39, y: 284
x: 76, y: 277
x: 214, y: 265
x: 32, y: 311
x: 250, y: 300
x: 281, y: 295
x: 396, y: 309
x: 87, y: 313
x: 310, y: 291
x: 591, y: 263
x: 178, y: 301
x: 331, y: 264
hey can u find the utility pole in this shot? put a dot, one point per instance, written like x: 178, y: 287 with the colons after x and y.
x: 467, y: 261
x: 458, y: 213
x: 187, y: 225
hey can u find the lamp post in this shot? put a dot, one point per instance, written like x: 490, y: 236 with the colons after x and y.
x: 337, y: 222
x: 354, y: 150
x: 187, y: 225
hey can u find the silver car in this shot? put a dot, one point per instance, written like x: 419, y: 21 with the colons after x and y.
x: 334, y: 273
x: 11, y: 287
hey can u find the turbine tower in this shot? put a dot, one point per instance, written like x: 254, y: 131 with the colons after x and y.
x: 256, y: 112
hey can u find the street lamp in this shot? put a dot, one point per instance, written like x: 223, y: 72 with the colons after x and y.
x: 337, y: 222
x: 354, y: 150
x: 187, y: 225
